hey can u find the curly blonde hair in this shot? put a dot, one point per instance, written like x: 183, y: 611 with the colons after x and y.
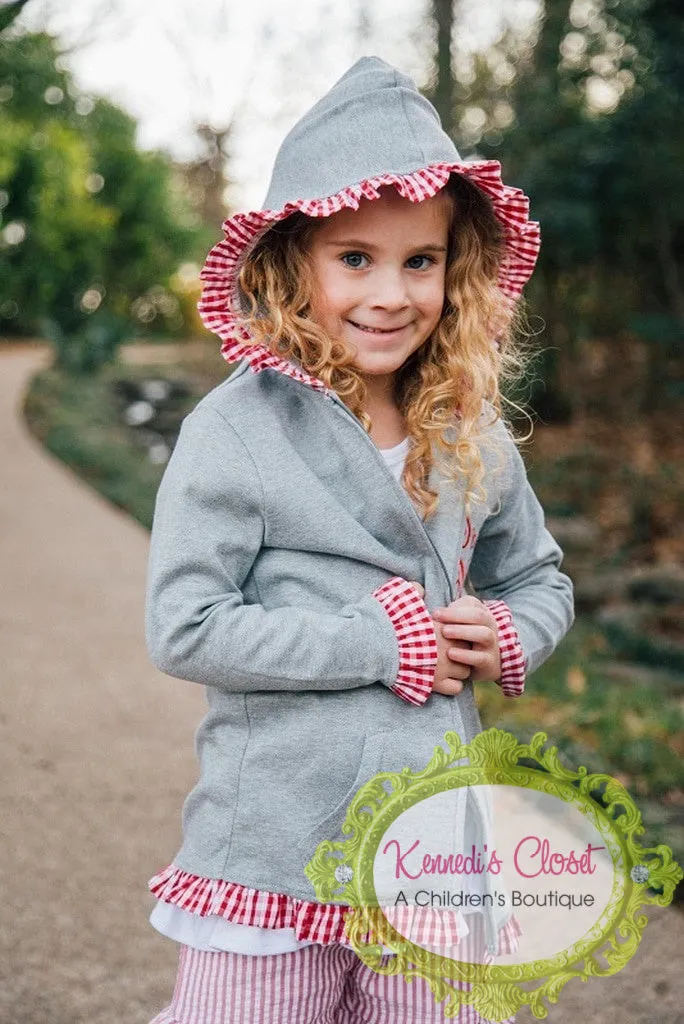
x: 442, y: 386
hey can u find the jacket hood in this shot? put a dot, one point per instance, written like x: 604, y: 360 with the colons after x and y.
x: 372, y: 129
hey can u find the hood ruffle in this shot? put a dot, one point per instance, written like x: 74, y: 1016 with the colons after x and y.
x: 373, y: 128
x: 219, y: 306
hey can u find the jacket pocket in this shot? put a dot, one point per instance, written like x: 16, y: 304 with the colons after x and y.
x: 330, y: 827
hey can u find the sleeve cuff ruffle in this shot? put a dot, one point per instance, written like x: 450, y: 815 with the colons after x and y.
x: 513, y: 662
x: 416, y: 637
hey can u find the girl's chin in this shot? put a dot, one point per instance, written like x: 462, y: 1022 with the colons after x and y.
x: 378, y: 367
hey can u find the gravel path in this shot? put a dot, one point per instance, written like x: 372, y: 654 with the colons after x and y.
x: 96, y: 747
x: 96, y: 755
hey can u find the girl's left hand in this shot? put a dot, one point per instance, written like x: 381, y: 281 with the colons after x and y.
x: 469, y: 620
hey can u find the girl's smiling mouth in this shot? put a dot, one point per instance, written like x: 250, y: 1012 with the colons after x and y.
x: 378, y: 330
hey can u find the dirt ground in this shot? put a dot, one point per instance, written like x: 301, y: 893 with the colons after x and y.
x: 96, y: 756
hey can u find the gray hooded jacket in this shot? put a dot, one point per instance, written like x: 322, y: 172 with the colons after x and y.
x: 278, y: 517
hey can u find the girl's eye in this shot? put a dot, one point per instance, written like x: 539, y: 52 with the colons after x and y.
x: 354, y: 260
x: 419, y: 262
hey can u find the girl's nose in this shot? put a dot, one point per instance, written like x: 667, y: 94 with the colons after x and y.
x: 389, y: 288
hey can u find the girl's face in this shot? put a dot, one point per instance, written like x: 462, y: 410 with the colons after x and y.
x: 379, y: 277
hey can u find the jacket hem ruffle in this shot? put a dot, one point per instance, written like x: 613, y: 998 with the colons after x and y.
x: 314, y: 922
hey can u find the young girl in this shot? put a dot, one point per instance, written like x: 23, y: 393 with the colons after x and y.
x: 315, y: 528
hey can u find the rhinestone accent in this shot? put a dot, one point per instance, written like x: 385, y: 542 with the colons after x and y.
x: 639, y: 873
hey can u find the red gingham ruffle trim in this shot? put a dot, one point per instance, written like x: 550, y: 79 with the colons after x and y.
x: 219, y: 305
x: 318, y: 922
x: 315, y: 922
x: 416, y: 636
x: 513, y: 662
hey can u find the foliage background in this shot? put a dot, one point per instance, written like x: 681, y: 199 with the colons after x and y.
x: 100, y: 242
x: 94, y: 230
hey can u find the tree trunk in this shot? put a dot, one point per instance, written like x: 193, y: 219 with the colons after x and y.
x: 668, y: 262
x: 443, y: 95
x: 547, y: 50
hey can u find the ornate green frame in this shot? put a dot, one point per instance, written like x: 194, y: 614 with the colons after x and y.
x: 343, y: 872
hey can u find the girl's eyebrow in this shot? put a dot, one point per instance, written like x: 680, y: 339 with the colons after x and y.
x: 357, y: 243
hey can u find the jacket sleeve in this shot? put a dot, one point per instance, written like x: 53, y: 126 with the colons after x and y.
x: 517, y: 561
x: 209, y: 526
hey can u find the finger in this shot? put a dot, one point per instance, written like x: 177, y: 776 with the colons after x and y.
x: 467, y: 601
x: 417, y: 586
x: 469, y: 614
x: 461, y: 643
x: 473, y: 634
x: 454, y: 686
x: 461, y: 603
x: 465, y: 656
x: 458, y: 669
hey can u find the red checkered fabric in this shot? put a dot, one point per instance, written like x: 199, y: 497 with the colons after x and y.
x: 416, y: 637
x: 219, y: 305
x: 317, y: 922
x: 442, y: 930
x: 513, y: 663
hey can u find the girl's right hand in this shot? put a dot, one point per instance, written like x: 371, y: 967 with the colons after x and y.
x: 449, y: 676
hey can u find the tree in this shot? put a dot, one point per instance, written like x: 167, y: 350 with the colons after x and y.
x: 90, y: 224
x: 9, y: 12
x: 206, y: 175
x: 597, y: 142
x: 442, y: 93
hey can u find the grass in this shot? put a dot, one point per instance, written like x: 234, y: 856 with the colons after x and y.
x: 625, y: 478
x: 77, y: 419
x: 632, y: 729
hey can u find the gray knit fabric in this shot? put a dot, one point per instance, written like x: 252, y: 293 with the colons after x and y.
x: 277, y: 518
x: 373, y: 121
